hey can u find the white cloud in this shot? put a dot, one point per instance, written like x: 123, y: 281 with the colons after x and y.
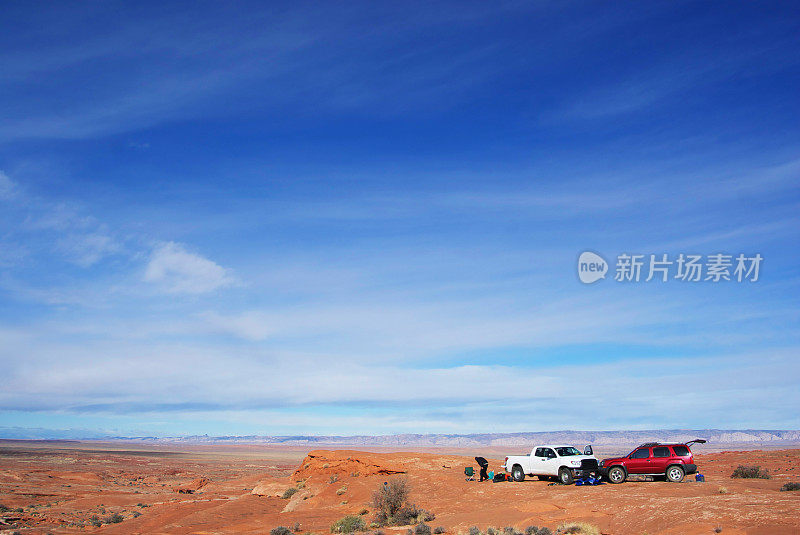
x: 87, y: 249
x: 177, y: 270
x: 253, y: 325
x: 178, y: 377
x: 7, y: 186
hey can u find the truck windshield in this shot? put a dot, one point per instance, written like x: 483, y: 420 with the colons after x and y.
x: 566, y: 452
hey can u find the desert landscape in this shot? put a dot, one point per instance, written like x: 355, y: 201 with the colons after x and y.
x: 114, y: 487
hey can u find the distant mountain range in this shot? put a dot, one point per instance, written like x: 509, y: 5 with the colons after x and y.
x: 717, y: 437
x: 601, y: 438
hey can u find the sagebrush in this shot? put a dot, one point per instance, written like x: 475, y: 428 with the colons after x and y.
x: 750, y: 472
x: 349, y: 524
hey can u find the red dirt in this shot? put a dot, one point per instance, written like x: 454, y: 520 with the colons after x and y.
x: 61, y: 489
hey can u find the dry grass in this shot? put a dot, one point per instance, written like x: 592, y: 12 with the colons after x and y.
x: 578, y: 528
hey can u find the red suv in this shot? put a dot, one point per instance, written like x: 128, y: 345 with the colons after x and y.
x: 673, y: 461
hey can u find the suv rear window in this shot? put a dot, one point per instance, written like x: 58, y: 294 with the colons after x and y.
x: 643, y: 453
x: 661, y: 452
x: 681, y: 451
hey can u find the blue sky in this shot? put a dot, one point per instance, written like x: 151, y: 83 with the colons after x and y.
x: 308, y: 218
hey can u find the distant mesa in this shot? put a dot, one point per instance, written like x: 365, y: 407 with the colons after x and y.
x: 345, y: 463
x: 192, y: 487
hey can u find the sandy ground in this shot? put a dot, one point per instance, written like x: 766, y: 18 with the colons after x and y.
x: 52, y: 487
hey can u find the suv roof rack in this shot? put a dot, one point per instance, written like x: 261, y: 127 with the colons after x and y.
x: 648, y: 444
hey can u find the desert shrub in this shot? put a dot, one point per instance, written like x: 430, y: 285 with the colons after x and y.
x: 326, y: 465
x: 301, y: 485
x: 355, y: 474
x: 348, y: 524
x: 508, y: 530
x: 409, y: 531
x: 116, y: 518
x: 474, y: 531
x: 296, y: 527
x: 363, y: 511
x: 439, y: 530
x: 791, y: 485
x: 428, y: 516
x: 378, y: 532
x: 409, y: 514
x: 718, y: 529
x: 391, y: 505
x: 19, y: 510
x: 491, y: 531
x: 578, y: 528
x: 722, y: 490
x: 280, y: 530
x: 535, y: 530
x: 333, y: 479
x: 288, y: 493
x: 4, y: 508
x: 95, y: 521
x: 392, y: 496
x: 341, y: 491
x: 136, y: 514
x: 750, y: 472
x: 422, y: 529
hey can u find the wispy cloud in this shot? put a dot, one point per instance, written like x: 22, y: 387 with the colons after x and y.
x: 88, y: 248
x: 177, y: 270
x: 172, y: 380
x: 681, y: 72
x: 7, y: 186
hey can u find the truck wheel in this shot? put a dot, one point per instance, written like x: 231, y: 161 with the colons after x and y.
x: 565, y: 475
x: 616, y: 475
x: 517, y: 473
x: 675, y: 474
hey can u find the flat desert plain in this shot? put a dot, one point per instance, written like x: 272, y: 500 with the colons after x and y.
x: 69, y: 487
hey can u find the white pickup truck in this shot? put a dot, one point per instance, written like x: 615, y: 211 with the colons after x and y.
x: 564, y: 462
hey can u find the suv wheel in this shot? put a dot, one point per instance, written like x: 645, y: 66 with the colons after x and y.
x: 565, y: 475
x: 675, y: 473
x: 517, y: 473
x: 616, y: 475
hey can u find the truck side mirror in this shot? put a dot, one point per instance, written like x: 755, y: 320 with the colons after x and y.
x: 588, y: 450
